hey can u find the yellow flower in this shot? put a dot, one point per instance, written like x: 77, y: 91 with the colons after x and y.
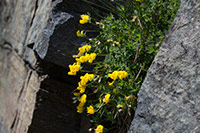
x: 83, y: 49
x: 84, y: 79
x: 80, y: 85
x: 114, y: 75
x: 107, y: 98
x: 90, y: 110
x: 71, y: 73
x: 84, y: 19
x: 83, y: 59
x: 74, y: 68
x: 127, y: 98
x: 87, y: 77
x: 111, y: 83
x: 76, y: 94
x: 80, y: 33
x: 92, y: 57
x: 117, y: 43
x: 122, y: 74
x: 99, y: 129
x: 88, y: 47
x: 139, y: 0
x: 81, y: 88
x: 90, y: 77
x: 83, y: 98
x: 80, y: 108
x: 84, y: 82
x: 87, y: 56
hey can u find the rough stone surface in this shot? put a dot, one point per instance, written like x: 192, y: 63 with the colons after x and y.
x: 19, y: 81
x: 169, y: 99
x: 54, y: 110
x: 18, y: 87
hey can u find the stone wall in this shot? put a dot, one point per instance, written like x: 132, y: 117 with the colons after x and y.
x: 169, y: 99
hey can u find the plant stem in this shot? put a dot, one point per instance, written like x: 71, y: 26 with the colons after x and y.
x: 139, y: 73
x: 85, y: 71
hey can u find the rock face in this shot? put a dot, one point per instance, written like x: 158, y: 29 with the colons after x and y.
x: 21, y: 23
x: 59, y: 41
x: 169, y: 99
x: 54, y: 109
x: 18, y: 87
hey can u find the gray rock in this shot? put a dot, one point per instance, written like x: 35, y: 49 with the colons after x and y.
x: 169, y: 99
x: 18, y: 88
x: 39, y: 22
x: 16, y: 20
x: 59, y: 41
x: 19, y: 81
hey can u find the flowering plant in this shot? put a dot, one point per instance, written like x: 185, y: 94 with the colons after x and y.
x: 119, y: 58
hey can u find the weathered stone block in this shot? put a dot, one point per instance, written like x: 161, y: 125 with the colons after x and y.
x: 169, y: 99
x: 19, y: 22
x: 20, y: 17
x: 18, y: 87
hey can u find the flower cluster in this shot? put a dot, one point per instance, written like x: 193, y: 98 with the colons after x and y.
x: 83, y: 49
x: 82, y: 85
x: 82, y: 59
x: 87, y: 58
x: 82, y: 101
x: 118, y: 74
x: 84, y: 19
x: 74, y: 68
x: 84, y: 79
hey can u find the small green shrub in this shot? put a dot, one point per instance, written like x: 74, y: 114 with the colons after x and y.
x: 119, y: 57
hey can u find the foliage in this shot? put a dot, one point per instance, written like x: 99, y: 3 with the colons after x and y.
x: 121, y: 54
